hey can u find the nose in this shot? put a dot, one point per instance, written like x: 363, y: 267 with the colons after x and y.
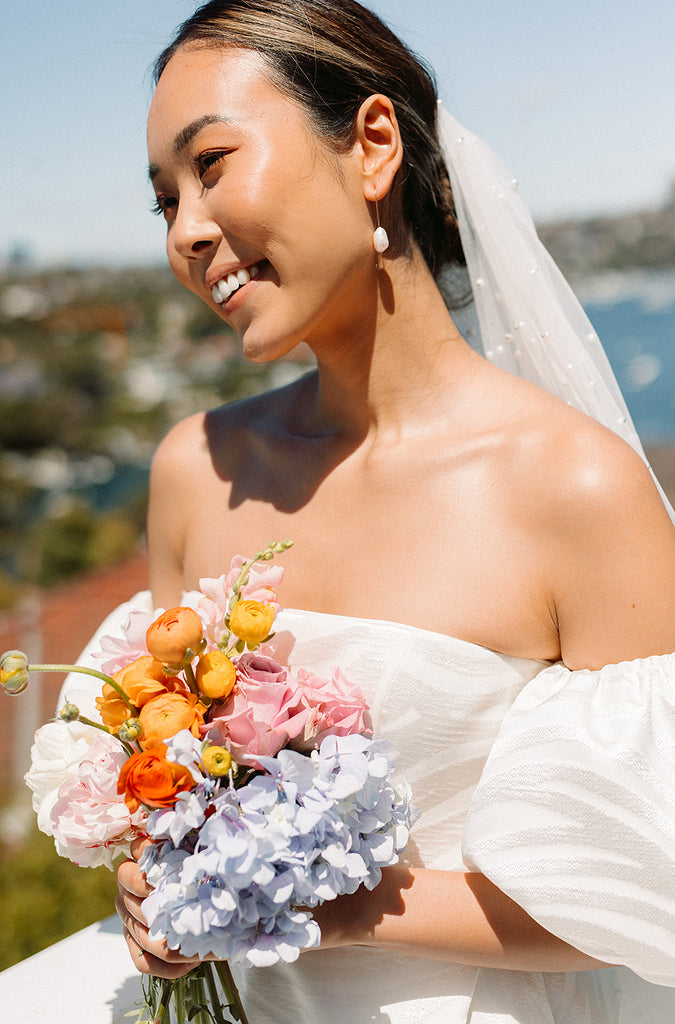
x: 194, y: 230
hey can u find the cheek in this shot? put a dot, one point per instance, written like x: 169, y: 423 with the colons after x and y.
x: 180, y: 266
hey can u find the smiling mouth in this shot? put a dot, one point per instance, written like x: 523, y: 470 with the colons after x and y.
x: 227, y: 286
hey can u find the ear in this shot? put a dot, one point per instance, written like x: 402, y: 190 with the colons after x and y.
x: 379, y: 141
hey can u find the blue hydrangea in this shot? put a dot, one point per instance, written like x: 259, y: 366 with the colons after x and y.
x: 231, y: 866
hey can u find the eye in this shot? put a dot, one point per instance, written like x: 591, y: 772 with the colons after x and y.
x: 163, y: 205
x: 207, y: 161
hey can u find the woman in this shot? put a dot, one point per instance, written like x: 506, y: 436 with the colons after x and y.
x: 458, y: 530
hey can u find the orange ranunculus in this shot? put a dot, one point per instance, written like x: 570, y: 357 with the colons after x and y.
x: 215, y: 675
x: 164, y: 716
x: 176, y: 636
x: 148, y: 778
x: 251, y: 621
x: 142, y: 680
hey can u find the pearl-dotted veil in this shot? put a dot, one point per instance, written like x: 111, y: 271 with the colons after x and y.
x: 524, y: 317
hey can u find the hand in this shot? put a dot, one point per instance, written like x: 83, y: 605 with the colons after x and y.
x: 150, y: 956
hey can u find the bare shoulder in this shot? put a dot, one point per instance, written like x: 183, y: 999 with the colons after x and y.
x: 597, y: 519
x: 226, y: 434
x: 568, y: 467
x: 595, y: 481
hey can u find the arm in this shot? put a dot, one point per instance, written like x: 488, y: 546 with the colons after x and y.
x: 612, y: 581
x: 171, y: 478
x: 443, y: 915
x: 446, y: 915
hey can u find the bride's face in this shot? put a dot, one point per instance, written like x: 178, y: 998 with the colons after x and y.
x: 247, y: 188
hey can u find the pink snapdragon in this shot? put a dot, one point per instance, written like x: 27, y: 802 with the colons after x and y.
x: 263, y: 580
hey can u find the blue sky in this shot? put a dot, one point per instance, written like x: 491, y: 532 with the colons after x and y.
x: 579, y: 98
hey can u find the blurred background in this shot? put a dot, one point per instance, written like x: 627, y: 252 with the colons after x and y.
x: 101, y: 352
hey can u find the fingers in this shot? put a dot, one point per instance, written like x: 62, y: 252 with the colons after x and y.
x: 150, y: 956
x: 131, y: 878
x: 138, y: 845
x: 147, y: 963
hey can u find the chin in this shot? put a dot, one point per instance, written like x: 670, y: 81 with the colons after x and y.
x: 265, y: 350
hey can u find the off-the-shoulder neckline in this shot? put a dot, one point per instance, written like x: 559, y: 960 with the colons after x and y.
x: 409, y: 628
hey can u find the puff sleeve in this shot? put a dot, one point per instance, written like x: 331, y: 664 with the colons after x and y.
x: 574, y: 814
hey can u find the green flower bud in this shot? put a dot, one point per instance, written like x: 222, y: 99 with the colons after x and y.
x: 69, y: 712
x: 130, y: 731
x: 14, y: 672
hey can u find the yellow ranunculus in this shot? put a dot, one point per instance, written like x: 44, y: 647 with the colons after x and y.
x: 252, y: 621
x: 217, y: 761
x: 215, y: 675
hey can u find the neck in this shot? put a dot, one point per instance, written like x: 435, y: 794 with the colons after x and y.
x: 386, y: 376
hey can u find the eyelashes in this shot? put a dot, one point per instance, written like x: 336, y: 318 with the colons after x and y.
x: 161, y: 205
x: 206, y: 161
x: 203, y: 163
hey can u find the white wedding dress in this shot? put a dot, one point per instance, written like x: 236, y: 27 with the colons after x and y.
x: 557, y: 785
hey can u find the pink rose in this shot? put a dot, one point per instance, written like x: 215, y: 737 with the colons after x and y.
x: 337, y: 708
x: 254, y: 667
x: 263, y: 713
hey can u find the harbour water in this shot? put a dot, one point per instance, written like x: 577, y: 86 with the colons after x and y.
x: 634, y: 316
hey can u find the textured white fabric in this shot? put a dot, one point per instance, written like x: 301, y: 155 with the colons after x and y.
x: 559, y: 786
x: 574, y: 817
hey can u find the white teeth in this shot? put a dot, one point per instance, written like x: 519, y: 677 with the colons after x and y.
x: 222, y: 290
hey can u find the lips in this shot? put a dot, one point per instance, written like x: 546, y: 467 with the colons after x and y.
x: 228, y: 285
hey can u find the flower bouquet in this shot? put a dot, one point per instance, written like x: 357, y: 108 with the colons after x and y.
x: 262, y: 790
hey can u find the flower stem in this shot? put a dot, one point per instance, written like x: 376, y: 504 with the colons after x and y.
x: 231, y: 991
x: 86, y: 672
x: 190, y: 677
x: 216, y: 1007
x: 166, y: 991
x: 97, y: 725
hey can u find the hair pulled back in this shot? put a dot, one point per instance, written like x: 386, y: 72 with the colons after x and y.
x: 330, y: 55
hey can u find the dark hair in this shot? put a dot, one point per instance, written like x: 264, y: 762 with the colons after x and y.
x: 330, y: 55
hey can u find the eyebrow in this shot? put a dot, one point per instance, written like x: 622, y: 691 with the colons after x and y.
x: 187, y: 134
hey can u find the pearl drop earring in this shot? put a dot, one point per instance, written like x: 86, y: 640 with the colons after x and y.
x: 380, y: 236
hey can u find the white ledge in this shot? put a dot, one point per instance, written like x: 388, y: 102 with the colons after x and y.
x: 87, y: 978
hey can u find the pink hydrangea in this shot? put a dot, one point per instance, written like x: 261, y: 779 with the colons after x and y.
x: 90, y: 821
x: 337, y: 708
x: 263, y: 713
